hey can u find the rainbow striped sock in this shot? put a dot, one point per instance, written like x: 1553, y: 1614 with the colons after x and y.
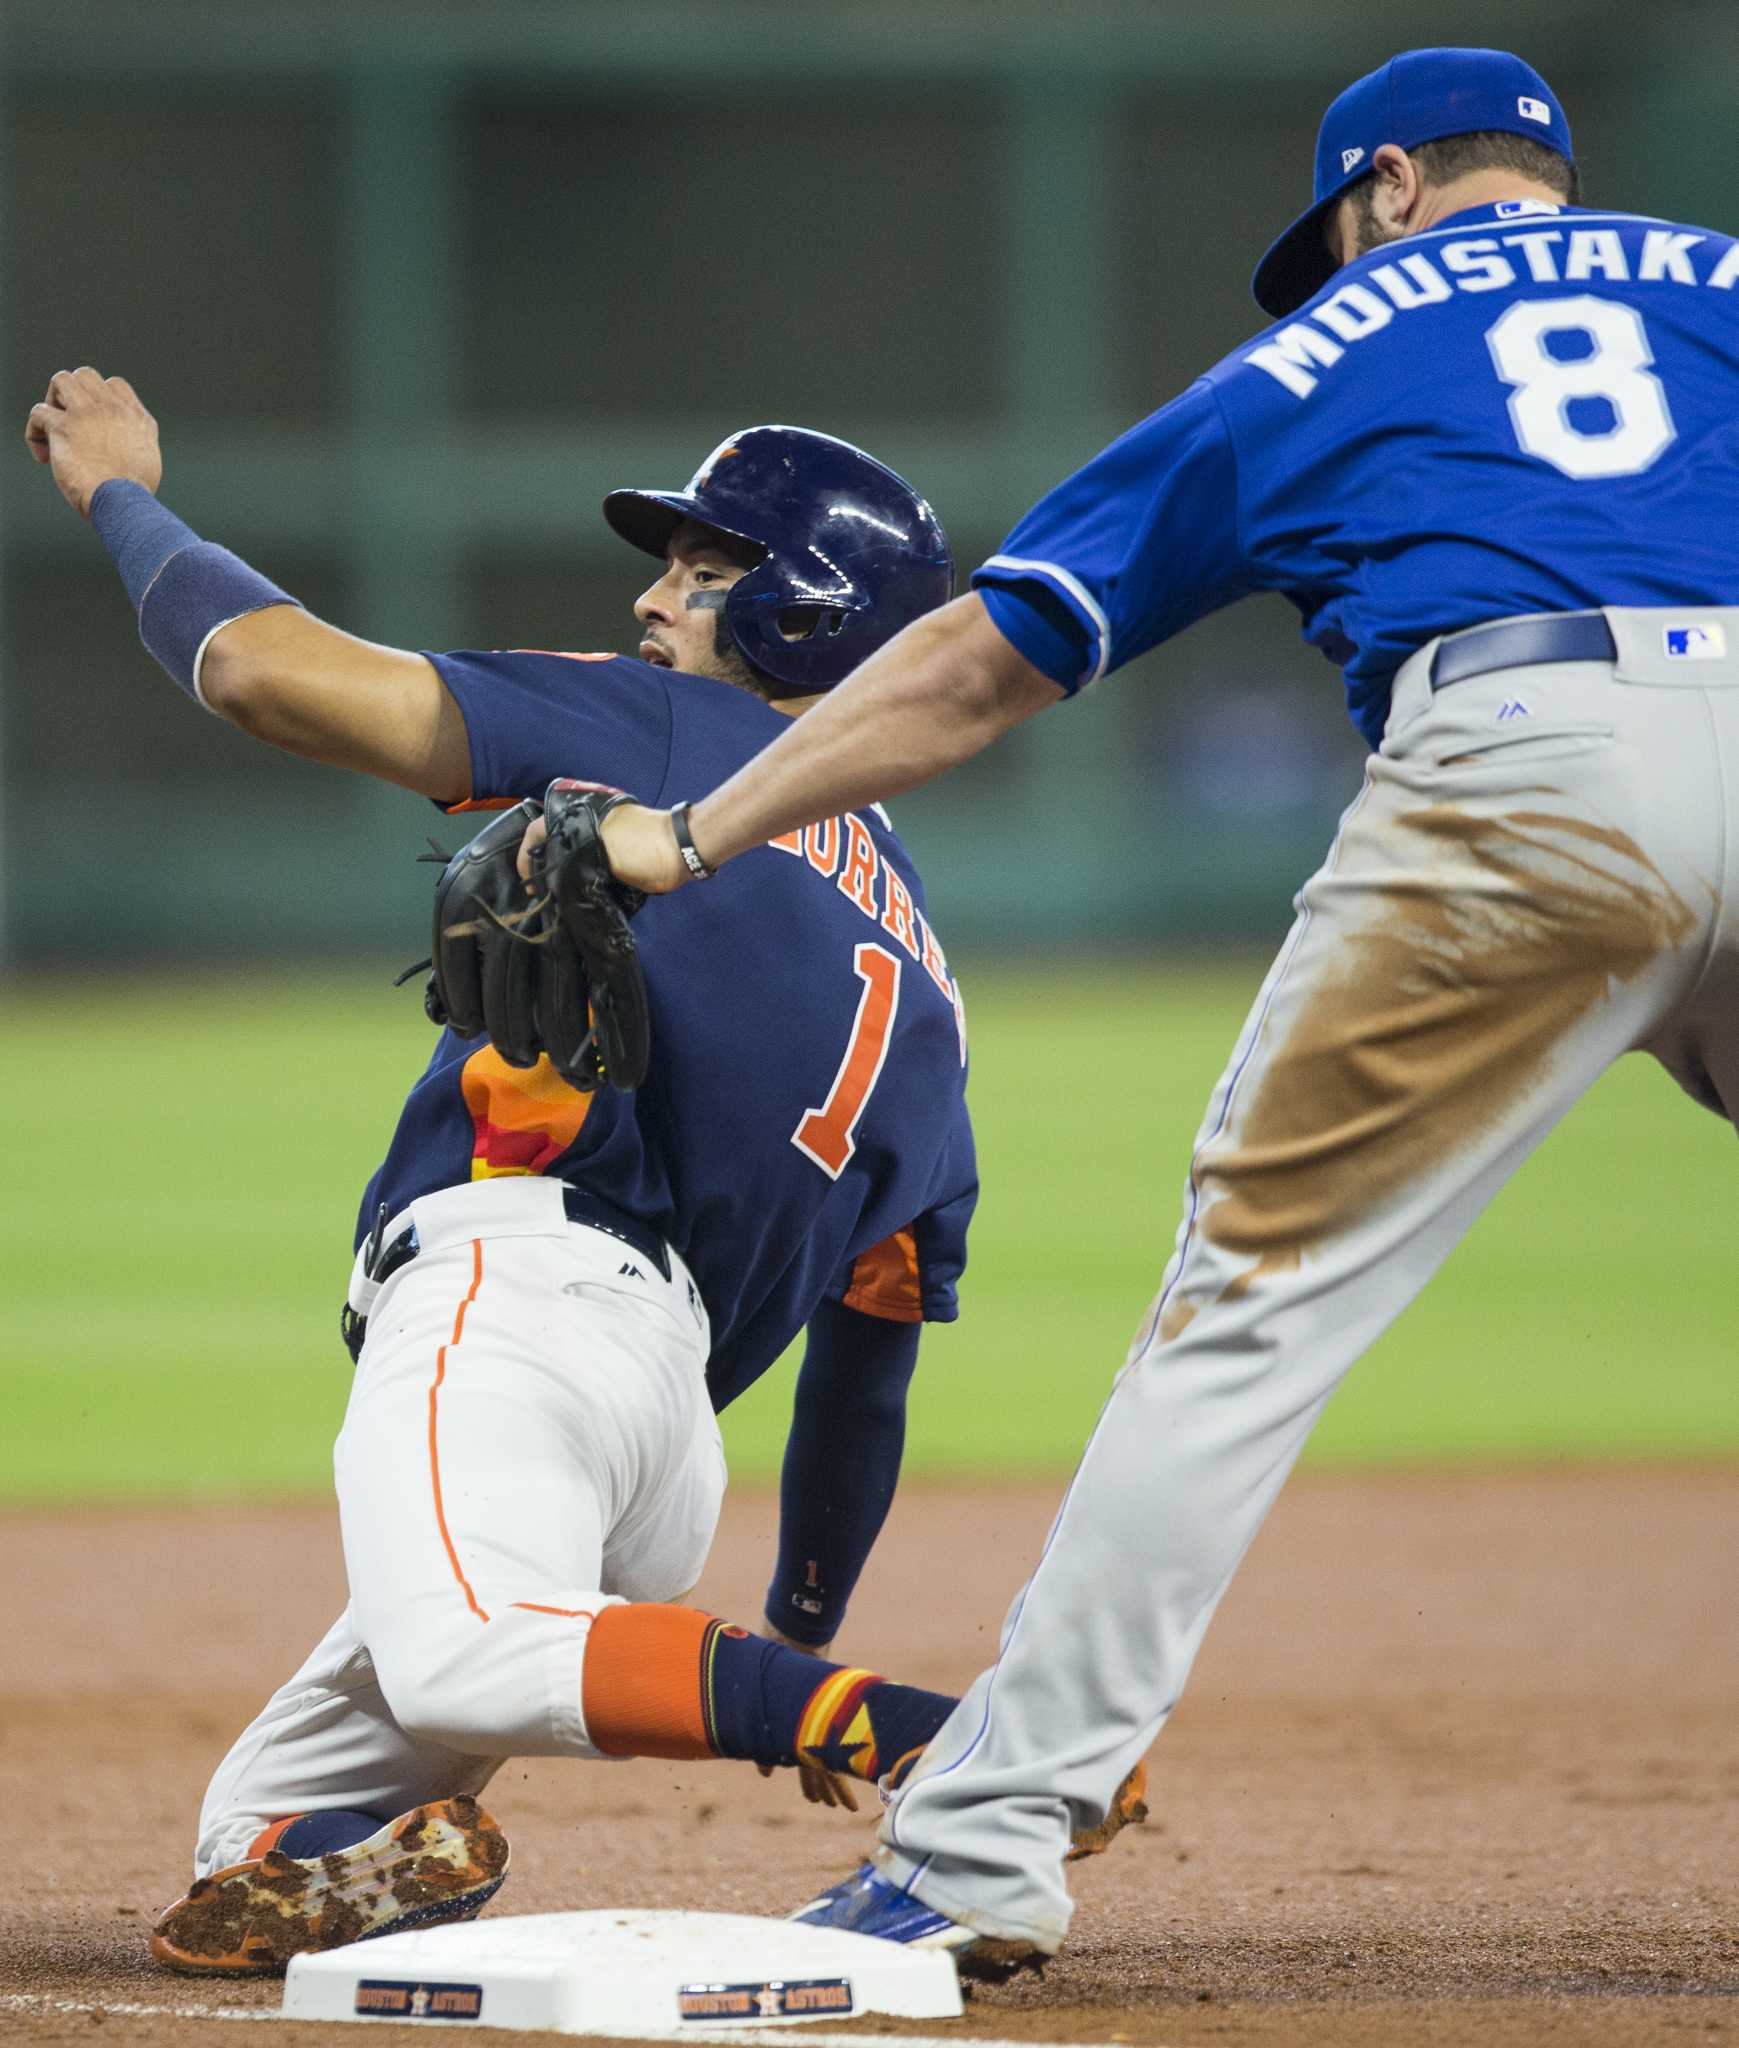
x: 772, y: 1705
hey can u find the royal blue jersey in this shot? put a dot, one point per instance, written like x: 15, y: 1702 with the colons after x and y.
x: 1529, y: 408
x: 802, y: 1135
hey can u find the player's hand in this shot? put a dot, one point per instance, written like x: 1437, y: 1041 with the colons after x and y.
x: 820, y: 1788
x: 637, y: 841
x: 642, y: 851
x: 90, y: 429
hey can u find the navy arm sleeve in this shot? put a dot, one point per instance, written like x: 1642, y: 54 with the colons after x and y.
x: 1129, y: 550
x: 531, y: 716
x: 842, y: 1462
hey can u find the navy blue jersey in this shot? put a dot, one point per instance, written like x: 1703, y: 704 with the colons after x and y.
x: 1529, y: 408
x: 802, y: 1135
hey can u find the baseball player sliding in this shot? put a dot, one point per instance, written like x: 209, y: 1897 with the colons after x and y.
x: 1491, y: 453
x: 554, y: 1290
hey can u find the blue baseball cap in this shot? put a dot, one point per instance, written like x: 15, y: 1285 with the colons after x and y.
x: 1419, y: 96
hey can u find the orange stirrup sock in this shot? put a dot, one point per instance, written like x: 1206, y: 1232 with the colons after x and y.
x: 641, y: 1686
x: 668, y: 1681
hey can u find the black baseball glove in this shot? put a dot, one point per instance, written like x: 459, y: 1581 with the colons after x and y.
x: 592, y: 1011
x: 554, y: 971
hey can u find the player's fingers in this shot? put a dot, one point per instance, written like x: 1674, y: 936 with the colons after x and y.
x: 36, y: 431
x: 70, y: 389
x: 826, y: 1788
x: 123, y: 389
x: 535, y: 835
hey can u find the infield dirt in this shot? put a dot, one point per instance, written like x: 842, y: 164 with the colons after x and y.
x: 1459, y: 1764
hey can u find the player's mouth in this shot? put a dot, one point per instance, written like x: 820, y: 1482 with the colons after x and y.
x: 658, y: 655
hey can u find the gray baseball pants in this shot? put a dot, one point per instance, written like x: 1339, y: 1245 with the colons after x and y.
x: 1538, y: 876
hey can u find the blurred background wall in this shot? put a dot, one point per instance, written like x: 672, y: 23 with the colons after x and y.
x: 409, y: 287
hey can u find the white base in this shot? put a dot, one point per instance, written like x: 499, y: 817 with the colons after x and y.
x: 656, y: 1974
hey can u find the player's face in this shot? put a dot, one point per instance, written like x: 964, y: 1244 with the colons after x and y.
x: 1353, y: 229
x: 1381, y: 208
x: 682, y: 615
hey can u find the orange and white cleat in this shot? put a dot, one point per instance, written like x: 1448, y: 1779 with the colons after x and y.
x: 443, y: 1861
x: 1128, y: 1809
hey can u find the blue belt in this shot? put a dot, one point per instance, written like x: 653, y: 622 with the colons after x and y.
x: 1523, y: 643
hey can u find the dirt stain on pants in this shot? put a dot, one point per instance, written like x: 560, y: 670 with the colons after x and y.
x: 1487, y: 939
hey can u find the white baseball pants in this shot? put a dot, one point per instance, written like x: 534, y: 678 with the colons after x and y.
x: 529, y: 1438
x: 1541, y: 873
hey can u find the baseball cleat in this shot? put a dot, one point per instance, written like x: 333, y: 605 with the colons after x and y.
x: 868, y: 1903
x: 442, y: 1861
x: 1128, y: 1809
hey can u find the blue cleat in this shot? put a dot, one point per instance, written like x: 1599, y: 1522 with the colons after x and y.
x: 868, y: 1903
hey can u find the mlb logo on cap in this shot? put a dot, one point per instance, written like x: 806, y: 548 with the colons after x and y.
x: 1696, y: 643
x: 1534, y: 110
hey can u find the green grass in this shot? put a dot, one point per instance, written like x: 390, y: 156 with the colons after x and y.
x: 183, y: 1165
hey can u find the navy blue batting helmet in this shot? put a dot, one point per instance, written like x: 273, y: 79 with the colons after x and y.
x: 852, y: 552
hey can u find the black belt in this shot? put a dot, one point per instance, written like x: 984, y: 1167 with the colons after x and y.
x: 585, y: 1207
x: 1523, y: 643
x: 382, y: 1260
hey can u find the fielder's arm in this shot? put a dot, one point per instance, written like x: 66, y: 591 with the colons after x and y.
x: 937, y: 694
x: 246, y: 649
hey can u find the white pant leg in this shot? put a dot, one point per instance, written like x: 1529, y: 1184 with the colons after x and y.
x: 659, y: 1551
x: 521, y: 1399
x: 1488, y: 935
x: 528, y: 1439
x: 325, y: 1739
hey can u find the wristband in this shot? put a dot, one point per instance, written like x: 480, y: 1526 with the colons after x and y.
x: 685, y: 844
x: 183, y: 588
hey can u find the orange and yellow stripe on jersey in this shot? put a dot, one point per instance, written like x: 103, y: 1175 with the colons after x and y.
x: 522, y: 1118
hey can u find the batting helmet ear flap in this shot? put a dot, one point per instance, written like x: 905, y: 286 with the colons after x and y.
x: 849, y: 544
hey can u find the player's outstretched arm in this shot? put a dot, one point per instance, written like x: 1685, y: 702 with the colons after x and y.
x: 226, y: 634
x: 295, y: 682
x: 937, y: 694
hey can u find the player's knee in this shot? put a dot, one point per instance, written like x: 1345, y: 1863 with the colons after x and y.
x: 450, y: 1696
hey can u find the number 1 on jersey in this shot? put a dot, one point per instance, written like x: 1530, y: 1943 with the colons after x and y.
x: 828, y: 1135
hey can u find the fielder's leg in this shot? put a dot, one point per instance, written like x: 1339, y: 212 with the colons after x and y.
x: 1487, y: 936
